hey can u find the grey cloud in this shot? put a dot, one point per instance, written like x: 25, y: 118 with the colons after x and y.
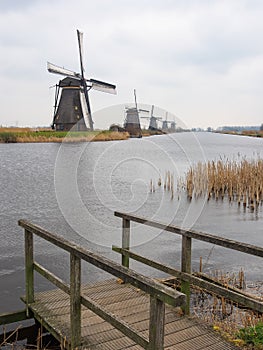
x: 166, y: 49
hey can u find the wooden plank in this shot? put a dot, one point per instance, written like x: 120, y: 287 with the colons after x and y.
x: 221, y: 345
x: 46, y: 309
x: 191, y: 332
x: 29, y: 268
x: 51, y: 328
x: 156, y: 324
x: 205, y: 237
x: 187, y: 268
x: 116, y: 344
x: 106, y: 331
x: 98, y: 334
x: 108, y: 294
x: 51, y: 278
x: 197, y: 343
x: 75, y: 300
x: 115, y: 321
x: 236, y: 296
x: 11, y: 317
x: 125, y: 241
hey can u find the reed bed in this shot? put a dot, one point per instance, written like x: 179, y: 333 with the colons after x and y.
x: 238, y: 181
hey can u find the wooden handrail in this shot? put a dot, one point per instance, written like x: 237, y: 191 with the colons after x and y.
x: 205, y: 237
x: 235, y: 295
x: 185, y: 274
x: 145, y: 283
x: 159, y: 294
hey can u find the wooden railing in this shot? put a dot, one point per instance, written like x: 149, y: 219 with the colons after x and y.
x: 159, y: 294
x: 185, y: 274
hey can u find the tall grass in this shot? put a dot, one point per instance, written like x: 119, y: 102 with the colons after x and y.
x: 238, y: 181
x: 226, y: 317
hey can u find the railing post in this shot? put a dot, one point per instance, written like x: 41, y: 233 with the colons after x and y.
x: 29, y: 269
x: 156, y: 326
x: 125, y: 240
x: 75, y: 303
x: 186, y: 267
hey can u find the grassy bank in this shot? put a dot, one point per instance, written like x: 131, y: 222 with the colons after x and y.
x: 252, y: 133
x: 27, y: 135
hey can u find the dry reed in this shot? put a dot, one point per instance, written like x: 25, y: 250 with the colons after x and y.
x: 238, y: 181
x: 167, y: 182
x: 225, y: 316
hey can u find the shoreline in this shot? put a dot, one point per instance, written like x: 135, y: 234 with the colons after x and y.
x: 43, y: 135
x: 27, y: 135
x: 242, y: 133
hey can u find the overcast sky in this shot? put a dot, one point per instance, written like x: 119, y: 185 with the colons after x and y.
x: 200, y: 60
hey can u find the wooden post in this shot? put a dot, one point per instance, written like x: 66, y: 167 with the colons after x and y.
x: 125, y: 241
x: 75, y: 304
x: 156, y: 326
x: 186, y: 267
x: 29, y: 267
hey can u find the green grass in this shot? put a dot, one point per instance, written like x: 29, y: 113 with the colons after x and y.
x: 7, y: 136
x: 252, y: 335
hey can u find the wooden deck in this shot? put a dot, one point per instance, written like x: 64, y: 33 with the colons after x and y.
x: 52, y: 309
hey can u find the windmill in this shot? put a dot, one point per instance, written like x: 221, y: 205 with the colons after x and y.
x: 153, y: 120
x: 72, y: 107
x: 165, y: 126
x: 165, y: 123
x: 132, y: 120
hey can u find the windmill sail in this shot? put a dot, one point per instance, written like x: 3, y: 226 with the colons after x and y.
x: 80, y: 41
x: 85, y: 110
x: 102, y: 86
x: 52, y: 68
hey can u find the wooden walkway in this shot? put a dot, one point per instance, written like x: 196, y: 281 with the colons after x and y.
x: 52, y: 309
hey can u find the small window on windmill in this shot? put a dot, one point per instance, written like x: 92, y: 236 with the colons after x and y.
x: 76, y: 108
x: 77, y: 116
x: 57, y: 117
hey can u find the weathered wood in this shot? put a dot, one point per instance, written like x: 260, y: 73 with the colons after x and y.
x: 29, y: 268
x: 51, y: 277
x: 235, y: 295
x: 121, y: 325
x: 11, y: 317
x: 186, y: 267
x: 155, y: 289
x: 45, y: 322
x: 75, y: 300
x: 180, y: 332
x: 148, y: 285
x: 220, y: 241
x: 156, y: 324
x: 125, y: 241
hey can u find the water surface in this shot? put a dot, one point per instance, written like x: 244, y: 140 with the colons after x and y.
x: 74, y: 189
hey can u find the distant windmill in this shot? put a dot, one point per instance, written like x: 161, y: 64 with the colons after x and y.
x: 165, y: 126
x: 153, y: 120
x: 73, y: 111
x: 132, y: 120
x: 165, y: 123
